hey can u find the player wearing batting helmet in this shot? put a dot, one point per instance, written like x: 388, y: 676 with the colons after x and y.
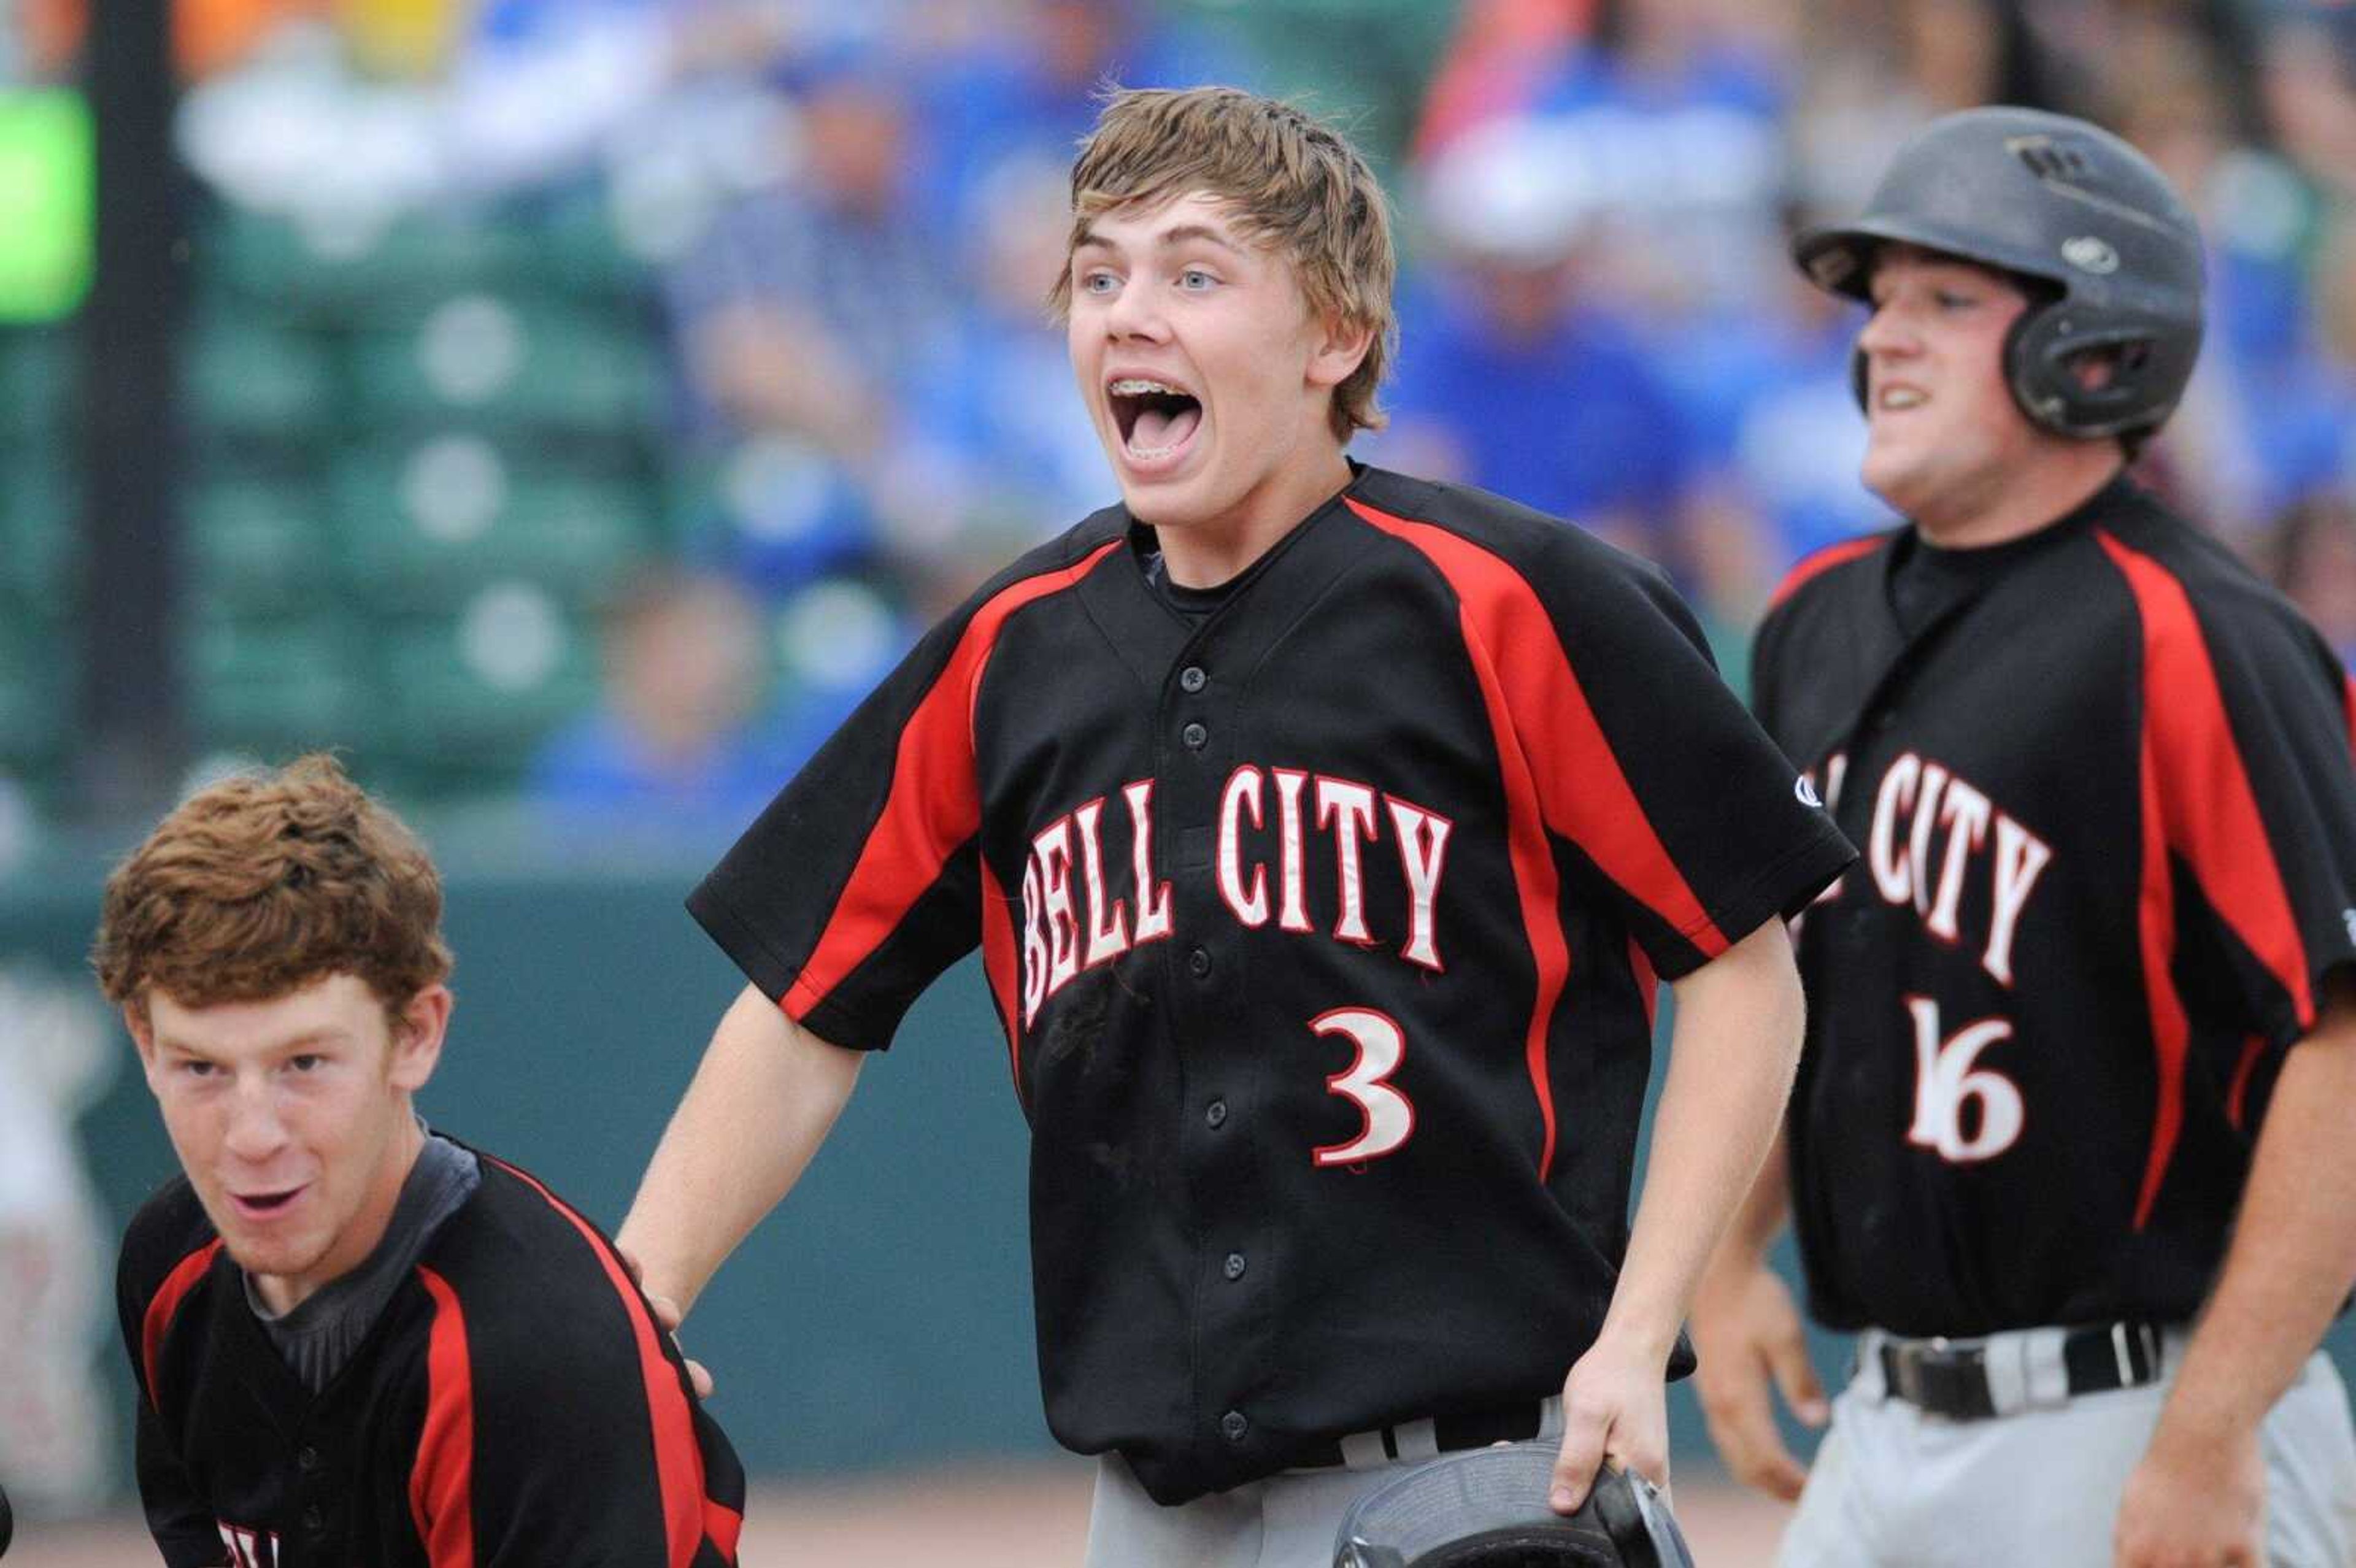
x: 1322, y: 831
x: 359, y: 1344
x: 2070, y: 1146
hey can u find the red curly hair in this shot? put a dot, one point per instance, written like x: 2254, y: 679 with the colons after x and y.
x: 266, y: 883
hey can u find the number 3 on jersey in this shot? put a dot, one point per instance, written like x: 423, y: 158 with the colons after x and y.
x: 1389, y: 1116
x: 1945, y: 1082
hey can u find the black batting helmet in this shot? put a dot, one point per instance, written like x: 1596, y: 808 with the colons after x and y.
x: 2062, y: 204
x: 1487, y: 1508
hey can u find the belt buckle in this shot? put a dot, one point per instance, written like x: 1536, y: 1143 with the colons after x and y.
x: 1942, y: 1378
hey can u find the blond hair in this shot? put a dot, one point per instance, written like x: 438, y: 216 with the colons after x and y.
x: 266, y: 883
x: 1296, y: 186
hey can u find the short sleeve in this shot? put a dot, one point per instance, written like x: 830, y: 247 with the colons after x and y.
x: 2259, y: 794
x: 858, y: 884
x: 1695, y: 824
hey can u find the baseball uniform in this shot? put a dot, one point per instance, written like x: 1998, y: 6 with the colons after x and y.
x: 2101, y: 775
x: 515, y: 1403
x: 1322, y: 911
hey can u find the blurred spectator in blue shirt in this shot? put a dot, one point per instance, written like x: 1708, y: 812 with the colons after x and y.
x: 1023, y: 85
x: 1516, y: 377
x: 1000, y: 452
x: 803, y: 317
x: 1769, y: 405
x: 679, y: 751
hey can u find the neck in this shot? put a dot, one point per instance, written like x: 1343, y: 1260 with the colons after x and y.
x: 2035, y: 499
x: 1218, y: 550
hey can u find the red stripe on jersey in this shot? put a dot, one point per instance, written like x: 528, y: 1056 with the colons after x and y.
x: 2155, y: 925
x: 166, y: 1305
x: 442, y: 1478
x: 679, y: 1461
x: 1580, y: 786
x: 998, y: 963
x: 723, y: 1525
x: 934, y: 805
x: 2197, y: 803
x: 2348, y: 699
x: 1480, y: 582
x: 2237, y: 1097
x: 2212, y: 814
x: 1822, y: 562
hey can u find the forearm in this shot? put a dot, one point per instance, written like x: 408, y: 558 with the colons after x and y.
x: 766, y: 1094
x: 1759, y: 1218
x: 2294, y: 1254
x: 1733, y: 1053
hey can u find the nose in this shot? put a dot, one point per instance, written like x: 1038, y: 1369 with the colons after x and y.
x: 1133, y: 313
x: 1888, y: 331
x: 256, y: 1129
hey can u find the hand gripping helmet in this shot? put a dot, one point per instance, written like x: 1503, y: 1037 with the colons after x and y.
x: 2109, y: 251
x: 1486, y: 1508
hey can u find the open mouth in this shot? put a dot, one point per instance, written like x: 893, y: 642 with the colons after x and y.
x: 1155, y: 418
x: 261, y: 1204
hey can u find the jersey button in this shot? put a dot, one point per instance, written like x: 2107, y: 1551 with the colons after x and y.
x: 1195, y: 737
x: 1198, y: 963
x: 313, y: 1519
x: 1192, y: 677
x: 1235, y: 1265
x: 306, y: 1457
x: 1232, y: 1426
x: 1216, y: 1112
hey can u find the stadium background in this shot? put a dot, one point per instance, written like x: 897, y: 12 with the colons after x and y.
x: 565, y: 408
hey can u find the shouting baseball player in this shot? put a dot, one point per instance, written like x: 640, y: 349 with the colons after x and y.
x: 1322, y: 831
x: 2071, y: 1143
x: 359, y: 1344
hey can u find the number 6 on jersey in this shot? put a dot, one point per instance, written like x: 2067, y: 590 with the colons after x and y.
x: 1945, y: 1082
x: 1390, y: 1118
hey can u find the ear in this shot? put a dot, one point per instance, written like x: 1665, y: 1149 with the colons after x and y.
x: 1338, y: 351
x: 417, y: 1037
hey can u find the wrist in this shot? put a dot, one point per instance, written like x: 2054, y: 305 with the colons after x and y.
x: 1639, y: 1338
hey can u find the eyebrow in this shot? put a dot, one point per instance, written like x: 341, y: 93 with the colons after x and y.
x: 1176, y: 234
x: 326, y: 1034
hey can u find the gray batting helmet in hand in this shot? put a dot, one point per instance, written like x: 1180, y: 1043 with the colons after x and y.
x: 1487, y: 1508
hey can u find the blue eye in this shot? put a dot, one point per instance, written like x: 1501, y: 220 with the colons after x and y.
x: 1098, y: 282
x: 1195, y: 279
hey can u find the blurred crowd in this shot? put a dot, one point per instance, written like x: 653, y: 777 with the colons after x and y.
x: 839, y: 218
x: 847, y: 213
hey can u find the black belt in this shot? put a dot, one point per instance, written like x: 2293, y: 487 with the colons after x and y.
x: 1451, y: 1433
x: 1949, y: 1377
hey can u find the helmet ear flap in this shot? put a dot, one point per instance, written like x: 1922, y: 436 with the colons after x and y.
x: 2043, y: 355
x: 2036, y: 366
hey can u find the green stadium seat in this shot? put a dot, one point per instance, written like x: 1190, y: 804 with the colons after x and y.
x: 37, y: 662
x: 247, y: 372
x: 336, y: 275
x: 467, y: 698
x: 260, y: 544
x: 579, y: 249
x: 274, y: 686
x: 497, y: 361
x: 40, y: 386
x: 40, y: 526
x: 424, y: 524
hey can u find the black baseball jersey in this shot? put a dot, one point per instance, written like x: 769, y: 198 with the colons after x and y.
x: 515, y: 1406
x: 2109, y: 823
x: 1323, y: 927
